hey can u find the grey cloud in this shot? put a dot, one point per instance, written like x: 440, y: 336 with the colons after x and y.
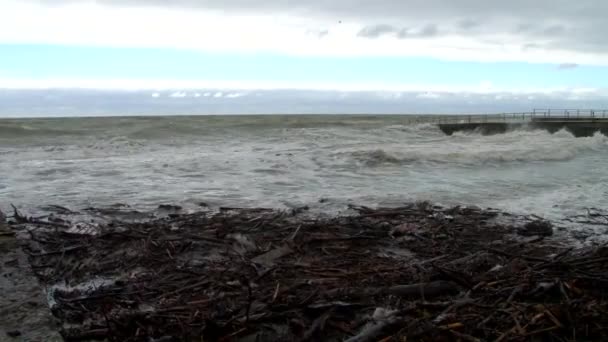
x: 554, y: 30
x: 426, y: 31
x: 534, y: 10
x: 531, y: 46
x: 566, y: 66
x: 560, y: 24
x: 468, y: 24
x: 375, y: 31
x: 533, y: 29
x: 524, y: 28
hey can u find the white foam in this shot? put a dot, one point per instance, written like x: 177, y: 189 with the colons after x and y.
x: 472, y: 149
x: 87, y: 286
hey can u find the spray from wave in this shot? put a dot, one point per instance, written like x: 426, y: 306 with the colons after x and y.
x: 518, y: 146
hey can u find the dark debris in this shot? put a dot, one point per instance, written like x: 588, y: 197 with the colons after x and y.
x: 420, y: 272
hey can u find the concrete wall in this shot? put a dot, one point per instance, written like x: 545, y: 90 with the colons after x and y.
x: 487, y: 128
x: 579, y: 128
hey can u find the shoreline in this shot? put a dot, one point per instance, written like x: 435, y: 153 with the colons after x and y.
x: 23, y: 305
x: 239, y: 274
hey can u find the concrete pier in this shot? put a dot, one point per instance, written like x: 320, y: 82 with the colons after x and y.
x: 485, y: 128
x: 579, y: 127
x: 585, y: 125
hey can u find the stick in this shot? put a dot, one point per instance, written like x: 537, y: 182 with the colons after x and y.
x: 374, y: 331
x: 17, y: 215
x: 464, y: 336
x: 317, y: 326
x: 295, y: 233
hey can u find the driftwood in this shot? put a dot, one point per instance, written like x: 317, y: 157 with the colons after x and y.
x: 4, y: 231
x: 425, y: 290
x: 421, y: 290
x: 536, y: 228
x: 18, y: 216
x: 415, y: 273
x: 268, y: 259
x: 376, y: 330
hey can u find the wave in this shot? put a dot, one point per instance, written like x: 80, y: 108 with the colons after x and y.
x: 516, y: 146
x: 151, y: 128
x: 418, y: 129
x: 116, y: 143
x: 9, y: 130
x: 376, y: 157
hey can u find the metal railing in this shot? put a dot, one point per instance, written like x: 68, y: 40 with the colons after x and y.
x: 570, y: 113
x: 515, y: 117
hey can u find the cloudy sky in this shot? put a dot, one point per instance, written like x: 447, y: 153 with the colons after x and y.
x: 426, y: 46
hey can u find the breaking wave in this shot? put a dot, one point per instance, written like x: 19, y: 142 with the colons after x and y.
x: 417, y: 129
x: 274, y: 160
x: 476, y: 149
x: 8, y: 130
x: 376, y: 157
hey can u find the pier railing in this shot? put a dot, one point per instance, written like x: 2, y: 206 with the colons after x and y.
x: 516, y: 117
x: 571, y: 113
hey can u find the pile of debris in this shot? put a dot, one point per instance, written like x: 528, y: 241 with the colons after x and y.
x: 416, y: 273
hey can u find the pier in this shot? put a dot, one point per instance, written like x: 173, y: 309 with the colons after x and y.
x: 580, y: 122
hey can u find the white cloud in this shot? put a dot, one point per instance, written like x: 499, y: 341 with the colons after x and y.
x: 155, y: 95
x: 280, y: 30
x: 218, y: 89
x: 582, y: 91
x: 178, y: 95
x: 92, y: 102
x: 428, y: 96
x: 234, y: 95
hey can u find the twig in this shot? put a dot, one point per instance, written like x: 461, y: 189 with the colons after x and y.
x: 276, y: 292
x: 249, y: 299
x: 17, y: 215
x: 317, y: 326
x: 464, y: 336
x: 295, y: 233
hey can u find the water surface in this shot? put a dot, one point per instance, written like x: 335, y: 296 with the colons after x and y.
x: 284, y: 161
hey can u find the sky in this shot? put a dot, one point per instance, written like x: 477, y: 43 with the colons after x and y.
x: 521, y: 48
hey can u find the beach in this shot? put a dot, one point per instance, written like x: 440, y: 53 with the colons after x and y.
x: 23, y: 305
x: 419, y: 271
x: 98, y: 205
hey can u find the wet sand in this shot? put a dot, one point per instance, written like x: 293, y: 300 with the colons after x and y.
x: 24, y: 311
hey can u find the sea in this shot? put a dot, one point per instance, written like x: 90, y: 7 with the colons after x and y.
x: 325, y: 162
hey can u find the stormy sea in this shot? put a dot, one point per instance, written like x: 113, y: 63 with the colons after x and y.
x: 322, y: 161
